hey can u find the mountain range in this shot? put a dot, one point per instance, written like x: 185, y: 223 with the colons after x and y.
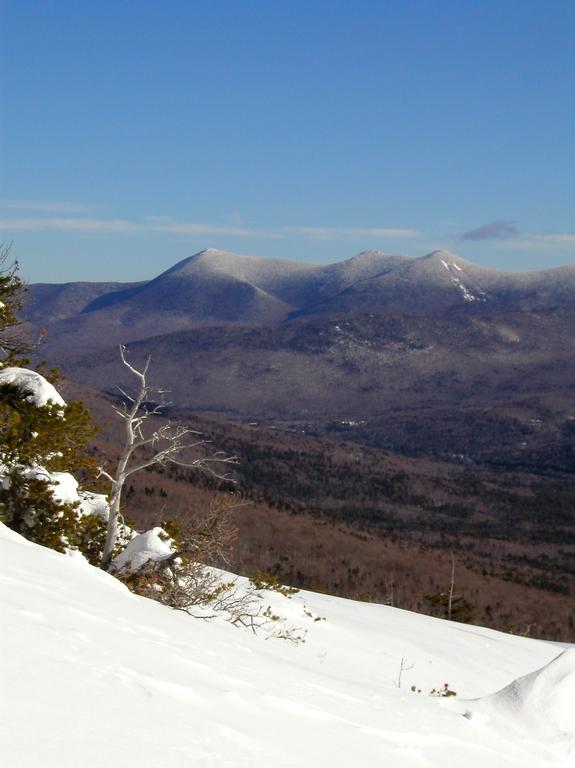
x: 432, y: 354
x: 214, y: 287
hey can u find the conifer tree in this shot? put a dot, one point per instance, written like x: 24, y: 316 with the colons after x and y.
x: 12, y: 340
x: 38, y: 438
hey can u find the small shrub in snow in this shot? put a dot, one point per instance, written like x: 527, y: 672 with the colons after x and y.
x: 270, y: 581
x: 174, y: 565
x: 456, y: 607
x: 443, y: 692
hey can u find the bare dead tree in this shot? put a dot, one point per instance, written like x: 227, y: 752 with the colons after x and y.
x: 451, y: 587
x: 146, y: 444
x: 403, y: 667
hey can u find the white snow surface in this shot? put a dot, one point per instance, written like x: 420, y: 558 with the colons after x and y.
x: 94, y: 676
x: 38, y: 390
x: 94, y: 504
x: 544, y: 700
x: 142, y: 548
x: 65, y: 489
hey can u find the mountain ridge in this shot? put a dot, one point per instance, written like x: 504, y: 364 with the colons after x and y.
x: 269, y: 290
x: 486, y: 357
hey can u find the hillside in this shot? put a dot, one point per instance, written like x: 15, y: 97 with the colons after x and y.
x: 366, y: 438
x: 325, y: 514
x: 428, y: 356
x: 109, y: 678
x: 466, y: 390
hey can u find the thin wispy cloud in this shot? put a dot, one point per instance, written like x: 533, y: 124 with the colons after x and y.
x: 119, y: 226
x: 544, y: 242
x: 38, y: 206
x: 195, y: 229
x: 502, y: 234
x: 338, y: 233
x: 495, y: 230
x: 165, y: 224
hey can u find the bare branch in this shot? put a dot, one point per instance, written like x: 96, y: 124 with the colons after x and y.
x: 169, y: 442
x: 102, y: 473
x: 125, y: 394
x: 140, y: 374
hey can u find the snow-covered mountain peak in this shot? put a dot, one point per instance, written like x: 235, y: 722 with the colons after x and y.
x: 444, y: 257
x: 441, y: 253
x: 210, y: 252
x: 206, y: 258
x: 368, y: 254
x: 254, y: 269
x: 438, y: 265
x: 378, y: 258
x: 366, y: 265
x: 446, y: 272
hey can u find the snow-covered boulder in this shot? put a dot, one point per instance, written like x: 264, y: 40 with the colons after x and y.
x: 33, y: 385
x: 94, y: 504
x: 65, y: 489
x: 153, y: 545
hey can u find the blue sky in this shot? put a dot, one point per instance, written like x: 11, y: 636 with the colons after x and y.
x: 134, y: 133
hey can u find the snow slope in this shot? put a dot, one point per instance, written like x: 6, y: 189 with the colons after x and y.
x: 93, y: 676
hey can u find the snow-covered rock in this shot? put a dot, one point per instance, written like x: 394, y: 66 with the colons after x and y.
x: 94, y: 504
x: 152, y: 545
x: 65, y: 489
x: 37, y: 389
x: 64, y: 486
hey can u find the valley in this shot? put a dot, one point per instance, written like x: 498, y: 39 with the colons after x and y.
x: 329, y: 515
x: 384, y: 421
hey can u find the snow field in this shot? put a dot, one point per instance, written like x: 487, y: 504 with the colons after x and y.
x: 92, y: 675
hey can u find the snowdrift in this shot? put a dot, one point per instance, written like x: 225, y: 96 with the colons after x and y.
x: 543, y: 701
x: 92, y: 675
